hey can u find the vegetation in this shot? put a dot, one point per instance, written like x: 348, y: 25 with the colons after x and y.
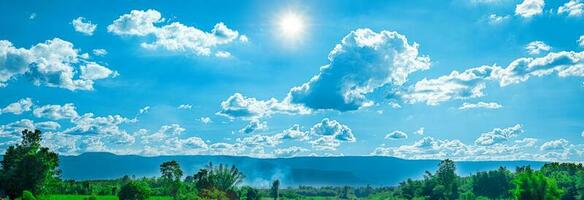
x: 30, y: 171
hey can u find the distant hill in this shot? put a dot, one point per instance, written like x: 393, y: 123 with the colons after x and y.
x: 347, y: 170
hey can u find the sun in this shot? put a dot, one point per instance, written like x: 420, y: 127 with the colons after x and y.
x: 291, y: 25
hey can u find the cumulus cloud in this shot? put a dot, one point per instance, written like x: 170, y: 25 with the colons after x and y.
x: 529, y: 8
x: 555, y: 145
x: 56, y: 112
x: 581, y: 41
x: 84, y: 26
x: 165, y: 132
x: 54, y: 63
x: 19, y: 107
x: 573, y: 8
x: 396, y: 135
x: 253, y: 126
x: 294, y: 133
x: 524, y: 149
x: 498, y: 135
x: 363, y: 62
x: 537, y: 47
x: 471, y: 82
x: 99, y: 52
x: 175, y: 36
x: 239, y: 106
x: 480, y: 104
x: 334, y: 129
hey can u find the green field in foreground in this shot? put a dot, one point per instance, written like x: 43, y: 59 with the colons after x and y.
x: 82, y: 197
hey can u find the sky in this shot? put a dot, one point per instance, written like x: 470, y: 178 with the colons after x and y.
x: 424, y: 79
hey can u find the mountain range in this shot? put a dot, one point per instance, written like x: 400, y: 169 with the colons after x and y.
x: 315, y: 171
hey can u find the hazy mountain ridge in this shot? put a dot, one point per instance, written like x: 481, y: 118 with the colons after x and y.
x: 346, y: 170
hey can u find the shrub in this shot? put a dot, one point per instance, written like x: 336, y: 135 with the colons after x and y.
x: 27, y: 195
x: 134, y: 190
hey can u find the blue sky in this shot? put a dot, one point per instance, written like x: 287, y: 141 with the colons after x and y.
x: 466, y: 80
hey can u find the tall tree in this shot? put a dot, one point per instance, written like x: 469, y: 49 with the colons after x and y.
x: 275, y: 190
x: 28, y: 166
x: 171, y: 176
x: 446, y: 176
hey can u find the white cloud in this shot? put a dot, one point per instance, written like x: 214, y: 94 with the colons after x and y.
x: 472, y: 82
x: 239, y: 106
x: 289, y: 152
x: 107, y: 128
x: 555, y: 145
x: 581, y: 41
x: 529, y: 8
x: 100, y: 52
x: 420, y: 131
x: 144, y: 110
x: 334, y: 129
x: 32, y: 16
x: 48, y: 125
x: 165, y: 132
x: 498, y: 135
x: 57, y: 112
x: 174, y: 36
x: 259, y: 140
x: 396, y: 135
x: 496, y: 19
x: 363, y: 62
x: 294, y: 133
x: 93, y: 71
x: 185, y: 106
x: 480, y: 104
x: 83, y: 26
x: 206, y: 120
x: 53, y: 63
x: 222, y: 54
x: 537, y: 47
x: 19, y: 107
x: 253, y: 126
x: 574, y: 8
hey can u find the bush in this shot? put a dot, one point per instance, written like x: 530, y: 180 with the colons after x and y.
x: 27, y: 195
x: 134, y: 190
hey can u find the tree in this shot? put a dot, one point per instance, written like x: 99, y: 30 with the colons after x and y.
x: 275, y: 189
x: 28, y: 166
x: 249, y: 193
x: 494, y: 184
x: 530, y: 185
x: 446, y: 176
x: 221, y: 177
x: 171, y: 176
x: 134, y: 190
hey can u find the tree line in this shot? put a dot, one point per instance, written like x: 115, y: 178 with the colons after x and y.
x: 30, y: 170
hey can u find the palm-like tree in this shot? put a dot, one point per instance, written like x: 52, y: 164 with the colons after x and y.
x: 221, y: 177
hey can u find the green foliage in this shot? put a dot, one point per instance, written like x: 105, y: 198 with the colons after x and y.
x: 220, y: 177
x: 249, y: 193
x: 28, y: 166
x: 530, y: 185
x: 27, y: 195
x: 134, y: 190
x: 90, y: 198
x: 494, y: 184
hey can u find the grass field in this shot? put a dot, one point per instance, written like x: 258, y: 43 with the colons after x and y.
x: 82, y: 197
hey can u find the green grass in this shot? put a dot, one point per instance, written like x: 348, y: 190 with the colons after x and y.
x: 81, y: 197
